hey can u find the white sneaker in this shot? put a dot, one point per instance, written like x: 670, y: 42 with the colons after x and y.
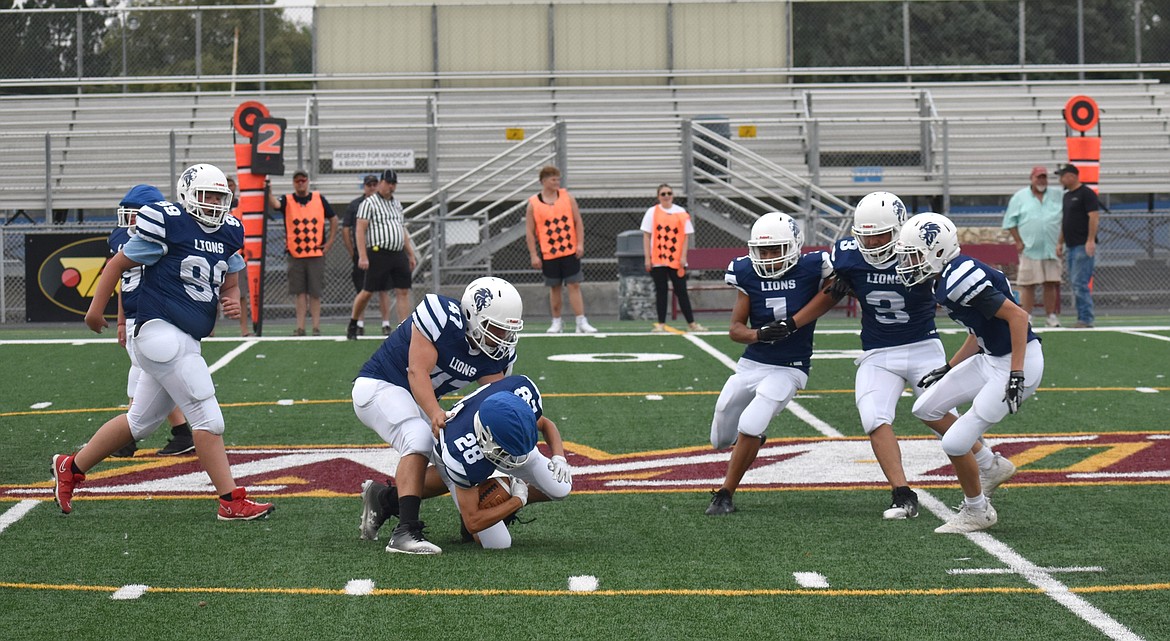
x: 1053, y: 321
x: 968, y: 520
x: 1001, y: 470
x: 583, y: 327
x: 555, y: 327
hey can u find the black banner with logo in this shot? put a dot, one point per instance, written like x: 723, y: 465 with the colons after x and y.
x: 60, y: 273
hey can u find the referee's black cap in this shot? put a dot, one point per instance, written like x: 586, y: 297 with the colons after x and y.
x: 390, y: 176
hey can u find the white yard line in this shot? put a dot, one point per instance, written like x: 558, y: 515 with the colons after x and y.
x: 796, y: 408
x: 1158, y: 337
x: 1036, y: 575
x: 16, y: 512
x: 1076, y: 568
x: 230, y: 356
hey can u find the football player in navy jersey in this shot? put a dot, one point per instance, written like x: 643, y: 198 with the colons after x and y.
x: 774, y: 281
x: 189, y: 253
x: 444, y: 346
x: 138, y: 196
x: 899, y: 338
x: 491, y: 432
x: 997, y: 368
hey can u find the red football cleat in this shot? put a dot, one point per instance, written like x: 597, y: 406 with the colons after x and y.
x: 64, y: 481
x: 241, y: 508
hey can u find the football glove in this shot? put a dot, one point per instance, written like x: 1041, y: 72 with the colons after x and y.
x: 519, y: 489
x: 1014, y: 392
x: 933, y: 376
x: 839, y: 288
x: 560, y: 470
x: 777, y: 330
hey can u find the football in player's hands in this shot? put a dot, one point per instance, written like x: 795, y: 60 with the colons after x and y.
x: 777, y: 330
x: 493, y: 492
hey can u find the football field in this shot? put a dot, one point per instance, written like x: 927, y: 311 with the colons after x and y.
x: 1080, y: 550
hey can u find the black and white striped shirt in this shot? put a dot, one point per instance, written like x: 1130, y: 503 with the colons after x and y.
x: 386, y: 229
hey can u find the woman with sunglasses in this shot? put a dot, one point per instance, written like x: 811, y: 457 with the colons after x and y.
x: 666, y: 228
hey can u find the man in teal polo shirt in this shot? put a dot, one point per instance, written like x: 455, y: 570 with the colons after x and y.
x: 1033, y: 219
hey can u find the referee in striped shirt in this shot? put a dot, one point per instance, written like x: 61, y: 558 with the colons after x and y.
x: 384, y: 251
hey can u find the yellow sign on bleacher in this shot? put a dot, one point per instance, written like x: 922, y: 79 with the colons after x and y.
x: 747, y: 131
x: 514, y: 133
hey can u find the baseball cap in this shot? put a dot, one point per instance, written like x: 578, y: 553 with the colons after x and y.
x: 1068, y: 169
x: 300, y: 172
x: 1038, y: 170
x: 390, y: 176
x: 369, y: 179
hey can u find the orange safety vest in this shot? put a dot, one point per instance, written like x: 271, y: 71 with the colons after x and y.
x: 304, y: 226
x: 669, y: 238
x: 556, y: 230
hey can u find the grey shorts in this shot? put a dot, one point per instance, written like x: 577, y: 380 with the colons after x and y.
x: 306, y: 275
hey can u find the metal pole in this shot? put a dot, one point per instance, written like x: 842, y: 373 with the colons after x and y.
x: 315, y: 44
x: 924, y: 131
x: 562, y: 152
x: 435, y: 46
x: 198, y: 45
x: 552, y: 44
x: 814, y: 152
x: 301, y: 149
x: 1081, y: 38
x: 670, y: 41
x: 173, y: 184
x: 688, y: 168
x: 80, y: 48
x: 946, y: 168
x: 906, y: 36
x: 48, y: 178
x: 314, y: 138
x: 1022, y: 35
x: 437, y: 241
x: 263, y: 40
x: 125, y: 65
x: 1137, y: 35
x: 3, y: 279
x: 432, y: 145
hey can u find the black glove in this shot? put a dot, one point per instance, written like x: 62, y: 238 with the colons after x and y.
x: 933, y: 376
x: 839, y: 288
x: 777, y: 330
x: 1014, y: 392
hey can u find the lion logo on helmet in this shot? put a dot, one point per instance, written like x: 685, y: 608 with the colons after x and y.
x: 188, y: 176
x: 929, y: 232
x: 483, y: 298
x: 899, y: 210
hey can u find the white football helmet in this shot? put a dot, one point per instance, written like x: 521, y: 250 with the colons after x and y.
x: 204, y: 193
x: 878, y: 213
x: 774, y: 230
x: 493, y: 311
x: 925, y: 245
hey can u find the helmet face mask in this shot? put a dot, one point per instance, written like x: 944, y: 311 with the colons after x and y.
x: 492, y: 309
x: 926, y: 243
x: 878, y: 214
x: 127, y: 216
x: 774, y: 246
x: 204, y: 193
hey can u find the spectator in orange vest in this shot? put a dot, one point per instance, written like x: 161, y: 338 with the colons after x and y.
x: 305, y: 214
x: 556, y: 243
x: 666, y: 228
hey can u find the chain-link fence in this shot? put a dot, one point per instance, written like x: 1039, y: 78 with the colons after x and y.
x: 217, y: 45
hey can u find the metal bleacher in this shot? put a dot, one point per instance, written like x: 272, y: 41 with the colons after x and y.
x: 621, y: 140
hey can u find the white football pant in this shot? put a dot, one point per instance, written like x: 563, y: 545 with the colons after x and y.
x: 882, y: 375
x: 391, y: 411
x: 173, y: 373
x: 750, y: 398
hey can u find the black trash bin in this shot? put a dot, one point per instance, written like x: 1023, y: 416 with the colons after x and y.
x: 635, y: 287
x: 707, y: 160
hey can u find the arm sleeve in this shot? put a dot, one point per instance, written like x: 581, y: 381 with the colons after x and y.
x: 236, y: 263
x: 648, y: 221
x: 140, y: 250
x: 1011, y: 218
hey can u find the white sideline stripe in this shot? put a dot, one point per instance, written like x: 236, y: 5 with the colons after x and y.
x: 1035, y: 575
x: 1151, y: 474
x: 230, y: 356
x: 1089, y: 568
x: 359, y: 587
x: 793, y: 406
x: 129, y: 592
x: 1134, y: 332
x: 16, y: 512
x: 810, y: 580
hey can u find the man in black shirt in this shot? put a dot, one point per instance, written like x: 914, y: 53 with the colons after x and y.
x: 1078, y: 238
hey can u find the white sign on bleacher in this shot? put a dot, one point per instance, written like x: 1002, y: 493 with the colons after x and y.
x: 346, y: 159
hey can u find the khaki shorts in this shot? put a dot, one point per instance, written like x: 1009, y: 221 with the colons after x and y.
x: 306, y: 276
x: 1038, y: 272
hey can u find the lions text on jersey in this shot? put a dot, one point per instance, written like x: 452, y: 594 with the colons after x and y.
x: 463, y: 461
x: 181, y: 284
x: 972, y: 292
x: 892, y: 314
x: 131, y: 277
x: 440, y: 319
x: 779, y: 298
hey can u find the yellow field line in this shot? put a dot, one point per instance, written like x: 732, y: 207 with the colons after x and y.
x: 83, y: 410
x: 714, y: 592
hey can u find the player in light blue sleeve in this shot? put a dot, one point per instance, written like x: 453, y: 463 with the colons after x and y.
x: 774, y: 281
x: 444, y: 346
x: 997, y: 368
x: 189, y: 254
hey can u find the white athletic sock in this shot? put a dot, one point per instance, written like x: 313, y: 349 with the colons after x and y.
x: 984, y: 457
x: 977, y: 503
x: 581, y: 319
x: 385, y: 323
x: 361, y: 323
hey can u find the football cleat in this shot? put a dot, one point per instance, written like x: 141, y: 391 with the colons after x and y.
x: 720, y: 503
x: 1001, y: 470
x: 351, y: 332
x: 1053, y: 321
x: 179, y: 444
x: 64, y: 481
x: 126, y: 451
x: 408, y: 538
x: 379, y: 503
x: 555, y: 327
x: 242, y: 508
x: 969, y: 520
x: 904, y: 505
x: 583, y: 327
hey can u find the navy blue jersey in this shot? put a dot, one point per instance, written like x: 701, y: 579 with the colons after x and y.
x: 778, y: 298
x: 182, y: 286
x: 131, y: 277
x: 961, y: 281
x: 457, y: 447
x: 440, y: 320
x: 892, y: 314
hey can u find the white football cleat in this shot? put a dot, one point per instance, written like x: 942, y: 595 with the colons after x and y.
x: 1000, y: 471
x: 583, y: 327
x: 969, y: 520
x: 555, y: 327
x: 1053, y: 320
